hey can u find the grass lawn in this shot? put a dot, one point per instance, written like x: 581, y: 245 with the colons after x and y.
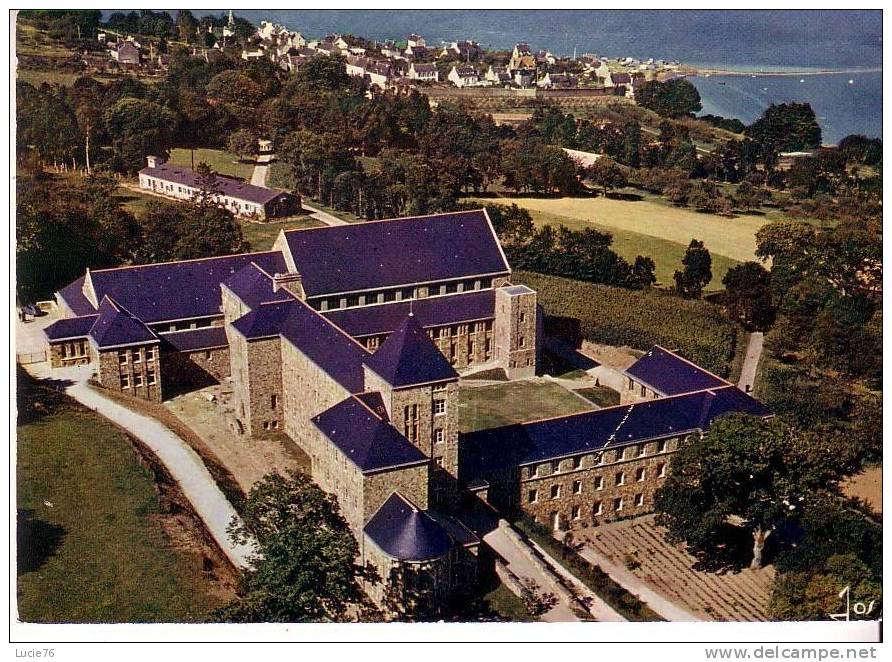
x: 508, y: 605
x: 649, y: 227
x: 137, y: 203
x: 220, y: 161
x: 98, y: 553
x: 514, y: 402
x: 602, y: 396
x: 262, y: 235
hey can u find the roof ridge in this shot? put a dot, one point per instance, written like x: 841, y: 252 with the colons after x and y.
x: 194, y: 259
x: 385, y: 220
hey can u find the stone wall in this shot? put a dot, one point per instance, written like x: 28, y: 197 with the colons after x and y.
x: 135, y: 370
x: 515, y: 333
x: 256, y: 368
x: 195, y: 369
x: 411, y: 482
x: 585, y: 490
x: 69, y: 352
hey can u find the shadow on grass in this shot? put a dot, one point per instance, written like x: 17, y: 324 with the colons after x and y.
x: 36, y: 541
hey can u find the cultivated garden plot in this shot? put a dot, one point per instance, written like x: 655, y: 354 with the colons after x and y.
x: 639, y: 545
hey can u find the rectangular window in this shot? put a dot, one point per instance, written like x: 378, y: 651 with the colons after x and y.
x: 125, y: 381
x: 523, y: 318
x: 640, y: 474
x: 643, y: 391
x: 534, y: 471
x: 618, y: 504
x: 522, y: 342
x: 439, y: 462
x: 274, y: 401
x: 599, y: 482
x: 532, y: 496
x: 575, y: 512
x: 150, y: 378
x: 323, y: 305
x: 661, y: 470
x: 122, y: 357
x: 598, y: 508
x: 439, y: 436
x: 577, y: 462
x: 639, y: 499
x: 577, y: 487
x: 620, y: 479
x: 439, y: 407
x: 555, y: 491
x: 207, y: 355
x: 661, y: 446
x: 137, y: 379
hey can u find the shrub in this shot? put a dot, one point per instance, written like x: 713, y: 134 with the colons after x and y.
x: 696, y: 329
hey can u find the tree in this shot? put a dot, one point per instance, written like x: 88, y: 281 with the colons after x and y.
x: 605, y: 173
x: 674, y: 98
x: 786, y: 127
x: 748, y: 295
x: 746, y: 473
x: 186, y: 26
x: 238, y: 94
x: 138, y: 128
x: 832, y: 588
x: 643, y: 272
x: 323, y: 74
x: 304, y: 569
x: 242, y: 143
x: 697, y: 272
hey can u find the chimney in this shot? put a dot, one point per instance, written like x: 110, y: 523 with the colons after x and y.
x: 155, y: 161
x: 292, y: 281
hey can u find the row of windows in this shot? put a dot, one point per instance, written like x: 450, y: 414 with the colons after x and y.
x: 619, y: 479
x: 74, y: 350
x: 625, y: 453
x: 232, y: 203
x: 137, y: 380
x: 400, y: 294
x: 126, y: 355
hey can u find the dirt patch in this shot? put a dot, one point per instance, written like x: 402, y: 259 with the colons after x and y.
x: 618, y: 358
x: 868, y: 486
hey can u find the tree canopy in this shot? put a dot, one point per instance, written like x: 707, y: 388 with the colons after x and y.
x: 673, y: 98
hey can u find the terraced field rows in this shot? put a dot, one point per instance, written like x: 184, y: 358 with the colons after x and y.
x: 668, y: 569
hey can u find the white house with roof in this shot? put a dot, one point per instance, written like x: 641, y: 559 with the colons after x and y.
x: 423, y: 72
x: 465, y: 76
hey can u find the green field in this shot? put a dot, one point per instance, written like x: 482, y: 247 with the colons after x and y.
x: 653, y: 228
x: 91, y: 548
x: 221, y: 162
x: 602, y: 396
x: 137, y: 203
x: 484, y: 407
x: 262, y: 235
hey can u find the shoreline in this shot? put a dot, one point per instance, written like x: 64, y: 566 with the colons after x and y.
x: 706, y: 72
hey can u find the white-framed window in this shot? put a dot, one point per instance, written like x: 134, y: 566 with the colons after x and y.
x: 575, y: 512
x: 639, y: 499
x: 439, y: 462
x: 620, y: 478
x: 439, y: 407
x: 661, y: 471
x: 122, y: 357
x: 534, y: 471
x: 439, y: 387
x: 618, y: 504
x: 577, y: 487
x: 137, y: 379
x: 640, y: 474
x: 577, y: 462
x: 532, y: 496
x: 662, y: 445
x: 125, y: 381
x: 599, y: 482
x: 598, y: 508
x: 555, y: 491
x: 439, y: 436
x: 150, y: 378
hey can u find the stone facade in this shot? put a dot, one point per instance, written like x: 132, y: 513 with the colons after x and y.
x: 595, y: 488
x: 69, y: 352
x: 256, y: 367
x: 516, y: 331
x: 132, y: 370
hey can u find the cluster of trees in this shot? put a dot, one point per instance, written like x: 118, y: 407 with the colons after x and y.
x: 66, y: 224
x: 673, y: 98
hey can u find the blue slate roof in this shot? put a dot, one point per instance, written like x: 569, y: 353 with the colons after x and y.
x: 116, y: 326
x: 430, y: 312
x: 234, y: 188
x: 669, y: 374
x: 404, y: 532
x: 171, y: 290
x: 379, y: 254
x: 254, y: 286
x: 409, y: 356
x: 196, y: 339
x: 369, y: 442
x: 73, y: 327
x: 327, y: 346
x: 487, y: 451
x: 73, y: 295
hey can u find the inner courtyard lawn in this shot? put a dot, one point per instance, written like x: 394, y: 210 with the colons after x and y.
x: 90, y: 545
x: 220, y: 161
x: 260, y: 236
x: 483, y: 407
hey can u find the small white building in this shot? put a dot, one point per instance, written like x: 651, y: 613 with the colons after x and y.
x: 464, y: 76
x: 426, y: 73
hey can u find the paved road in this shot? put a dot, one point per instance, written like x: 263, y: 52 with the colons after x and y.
x: 523, y: 567
x: 181, y: 461
x: 625, y: 578
x: 261, y: 168
x: 323, y: 216
x: 751, y: 362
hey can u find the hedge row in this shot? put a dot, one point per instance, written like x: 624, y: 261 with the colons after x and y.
x: 640, y: 319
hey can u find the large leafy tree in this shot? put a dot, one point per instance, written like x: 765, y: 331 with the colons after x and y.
x: 697, y: 272
x: 748, y: 295
x: 750, y: 474
x: 674, y: 98
x: 786, y: 127
x: 606, y: 174
x: 305, y: 566
x: 138, y: 127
